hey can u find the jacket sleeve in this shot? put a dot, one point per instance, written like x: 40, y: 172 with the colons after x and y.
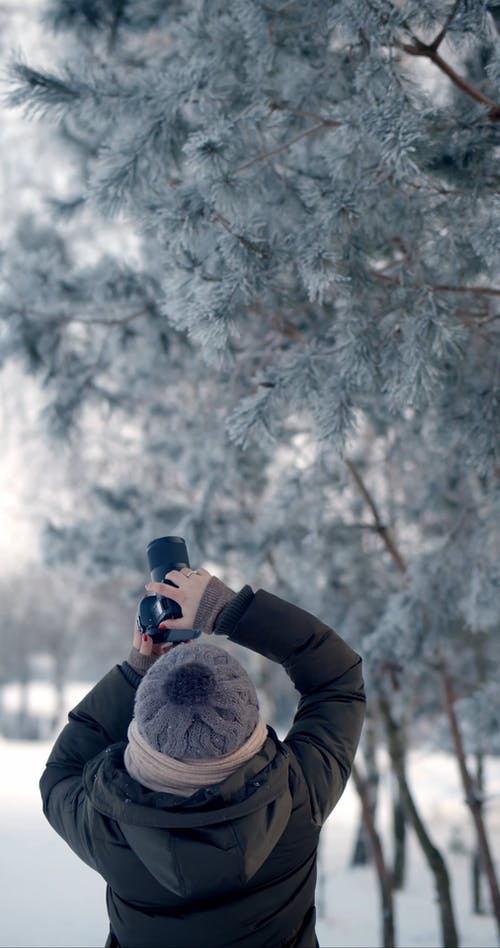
x: 101, y: 719
x: 327, y: 673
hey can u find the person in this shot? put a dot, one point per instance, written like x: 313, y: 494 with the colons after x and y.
x: 167, y: 781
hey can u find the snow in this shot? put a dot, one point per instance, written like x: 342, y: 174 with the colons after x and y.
x: 50, y: 899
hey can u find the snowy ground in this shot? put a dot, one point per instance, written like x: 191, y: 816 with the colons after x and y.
x: 49, y: 899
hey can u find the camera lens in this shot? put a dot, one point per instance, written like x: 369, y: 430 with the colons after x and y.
x: 164, y: 554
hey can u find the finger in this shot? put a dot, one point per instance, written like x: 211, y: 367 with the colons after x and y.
x: 175, y: 575
x: 170, y: 592
x: 161, y: 649
x: 202, y: 572
x: 175, y: 624
x: 146, y: 645
x: 137, y: 636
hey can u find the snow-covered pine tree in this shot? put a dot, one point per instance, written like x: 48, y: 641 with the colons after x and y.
x: 315, y: 203
x: 318, y: 182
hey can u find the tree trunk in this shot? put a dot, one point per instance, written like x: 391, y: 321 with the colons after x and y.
x: 2, y: 709
x: 472, y: 796
x: 473, y: 799
x: 435, y: 861
x: 477, y: 873
x: 23, y: 715
x: 383, y: 874
x: 362, y: 850
x: 321, y: 885
x: 477, y: 895
x: 399, y: 835
x: 362, y: 853
x: 58, y: 682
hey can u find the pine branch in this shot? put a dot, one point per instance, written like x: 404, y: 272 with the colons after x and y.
x: 279, y: 148
x: 276, y: 14
x: 430, y: 51
x: 489, y: 319
x: 418, y: 48
x: 283, y: 7
x: 39, y: 91
x: 436, y: 287
x: 277, y: 321
x: 478, y: 318
x: 441, y: 35
x: 380, y: 528
x: 249, y: 244
x: 117, y: 18
x: 330, y: 123
x: 378, y: 525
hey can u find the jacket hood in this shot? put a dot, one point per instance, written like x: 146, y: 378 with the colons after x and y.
x: 207, y: 844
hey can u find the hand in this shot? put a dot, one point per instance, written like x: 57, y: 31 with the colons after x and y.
x: 145, y: 645
x: 187, y: 592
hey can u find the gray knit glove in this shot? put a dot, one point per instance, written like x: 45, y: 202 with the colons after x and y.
x: 140, y: 663
x: 215, y: 598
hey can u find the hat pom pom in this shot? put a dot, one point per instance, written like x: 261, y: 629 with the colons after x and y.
x: 191, y: 683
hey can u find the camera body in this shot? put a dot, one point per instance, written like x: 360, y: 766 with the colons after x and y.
x: 164, y: 554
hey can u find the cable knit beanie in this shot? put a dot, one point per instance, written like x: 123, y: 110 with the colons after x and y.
x: 196, y: 702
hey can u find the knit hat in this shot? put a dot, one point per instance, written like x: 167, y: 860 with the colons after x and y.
x: 196, y: 702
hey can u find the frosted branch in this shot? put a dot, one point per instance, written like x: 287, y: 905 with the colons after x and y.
x: 435, y: 287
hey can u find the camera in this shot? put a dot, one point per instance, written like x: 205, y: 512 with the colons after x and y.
x: 164, y: 554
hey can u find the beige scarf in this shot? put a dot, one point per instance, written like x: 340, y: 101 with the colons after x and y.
x: 184, y: 777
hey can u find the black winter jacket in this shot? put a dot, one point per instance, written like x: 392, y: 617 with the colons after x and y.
x: 233, y: 865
